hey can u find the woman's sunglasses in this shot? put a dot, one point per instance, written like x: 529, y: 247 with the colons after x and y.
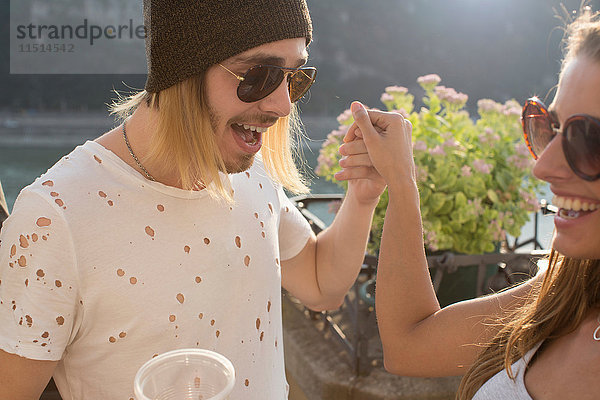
x: 262, y: 80
x: 580, y: 137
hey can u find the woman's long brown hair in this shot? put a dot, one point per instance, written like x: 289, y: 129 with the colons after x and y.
x: 570, y: 288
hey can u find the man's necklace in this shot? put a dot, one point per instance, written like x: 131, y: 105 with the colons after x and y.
x: 597, y: 331
x: 139, y: 164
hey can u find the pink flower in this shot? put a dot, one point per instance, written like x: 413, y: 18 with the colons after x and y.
x: 386, y: 97
x: 339, y: 133
x: 437, y: 151
x: 522, y: 150
x: 476, y: 208
x: 429, y: 81
x: 441, y: 91
x: 421, y: 174
x: 466, y: 171
x: 402, y: 112
x: 482, y: 166
x: 451, y: 143
x: 512, y: 107
x: 489, y: 136
x: 431, y: 240
x: 459, y: 98
x: 530, y: 200
x: 396, y: 89
x: 325, y: 161
x: 497, y: 231
x: 488, y: 105
x: 520, y: 162
x: 450, y: 95
x: 329, y: 141
x: 345, y: 116
x: 522, y: 159
x: 419, y: 145
x: 512, y: 111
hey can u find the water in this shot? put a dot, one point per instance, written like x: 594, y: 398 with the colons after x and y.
x: 20, y: 165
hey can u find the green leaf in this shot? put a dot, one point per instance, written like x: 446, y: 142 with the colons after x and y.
x: 455, y: 226
x: 424, y: 193
x: 492, y: 196
x: 478, y: 186
x: 437, y: 201
x: 460, y: 200
x: 448, y: 183
x: 471, y: 226
x: 503, y: 180
x: 446, y: 208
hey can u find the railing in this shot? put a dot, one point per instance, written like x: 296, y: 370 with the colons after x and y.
x: 354, y: 325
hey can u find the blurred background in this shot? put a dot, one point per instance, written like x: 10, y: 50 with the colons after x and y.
x: 497, y: 49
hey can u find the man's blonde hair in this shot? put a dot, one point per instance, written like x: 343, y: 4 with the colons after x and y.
x: 185, y: 141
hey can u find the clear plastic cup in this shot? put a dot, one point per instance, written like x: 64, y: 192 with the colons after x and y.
x: 185, y: 374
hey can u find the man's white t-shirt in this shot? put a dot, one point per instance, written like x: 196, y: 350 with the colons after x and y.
x: 103, y: 270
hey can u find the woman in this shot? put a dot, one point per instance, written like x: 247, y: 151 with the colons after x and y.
x: 540, y: 340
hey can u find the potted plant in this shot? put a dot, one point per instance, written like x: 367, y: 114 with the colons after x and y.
x: 474, y: 175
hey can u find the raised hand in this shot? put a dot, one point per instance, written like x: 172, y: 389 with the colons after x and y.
x: 387, y: 139
x: 364, y: 180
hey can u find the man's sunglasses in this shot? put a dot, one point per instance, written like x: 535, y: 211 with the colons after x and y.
x: 580, y: 137
x: 262, y: 80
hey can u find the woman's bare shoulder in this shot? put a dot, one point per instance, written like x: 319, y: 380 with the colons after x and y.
x: 568, y: 367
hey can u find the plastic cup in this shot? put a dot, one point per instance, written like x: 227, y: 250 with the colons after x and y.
x: 185, y: 374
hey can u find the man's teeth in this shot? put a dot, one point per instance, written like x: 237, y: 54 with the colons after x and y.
x: 254, y: 128
x: 568, y: 203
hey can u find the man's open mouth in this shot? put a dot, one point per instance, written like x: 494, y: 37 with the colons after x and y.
x: 249, y: 133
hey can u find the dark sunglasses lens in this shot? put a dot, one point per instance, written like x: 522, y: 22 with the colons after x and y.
x: 582, y: 147
x: 300, y: 81
x: 537, y: 128
x: 259, y: 82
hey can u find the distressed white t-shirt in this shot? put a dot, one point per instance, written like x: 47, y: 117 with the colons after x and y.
x: 103, y: 270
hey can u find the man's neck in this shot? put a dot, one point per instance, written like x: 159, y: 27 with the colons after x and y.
x: 140, y: 127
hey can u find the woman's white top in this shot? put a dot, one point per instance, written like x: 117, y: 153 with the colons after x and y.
x: 501, y: 386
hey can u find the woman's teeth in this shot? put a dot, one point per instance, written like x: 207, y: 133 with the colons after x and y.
x: 567, y: 203
x: 253, y: 128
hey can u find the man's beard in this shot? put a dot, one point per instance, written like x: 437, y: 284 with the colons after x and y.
x: 244, y: 163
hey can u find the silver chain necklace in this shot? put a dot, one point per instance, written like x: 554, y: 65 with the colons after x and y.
x: 597, y: 331
x: 139, y: 164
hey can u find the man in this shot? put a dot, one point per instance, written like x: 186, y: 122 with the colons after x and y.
x: 171, y: 231
x: 3, y: 207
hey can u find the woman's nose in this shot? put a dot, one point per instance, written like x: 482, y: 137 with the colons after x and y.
x: 552, y: 164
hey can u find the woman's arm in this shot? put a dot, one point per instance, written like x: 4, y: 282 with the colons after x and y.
x: 419, y: 338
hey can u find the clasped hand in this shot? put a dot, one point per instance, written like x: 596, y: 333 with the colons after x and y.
x: 377, y: 151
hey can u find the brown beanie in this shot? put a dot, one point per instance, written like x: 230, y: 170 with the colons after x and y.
x: 185, y: 37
